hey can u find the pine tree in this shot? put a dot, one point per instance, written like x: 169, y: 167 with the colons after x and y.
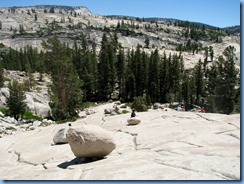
x: 106, y: 69
x: 153, y: 76
x: 1, y: 75
x: 15, y: 101
x: 164, y: 77
x: 121, y: 73
x: 227, y: 80
x: 66, y: 89
x: 200, y: 83
x: 35, y: 17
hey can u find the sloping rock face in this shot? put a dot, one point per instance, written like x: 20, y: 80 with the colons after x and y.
x: 90, y: 141
x: 166, y: 145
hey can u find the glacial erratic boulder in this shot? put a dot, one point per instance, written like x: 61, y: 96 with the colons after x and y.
x: 133, y: 121
x: 90, y: 141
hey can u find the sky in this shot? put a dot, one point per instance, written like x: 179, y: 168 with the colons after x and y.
x: 219, y: 13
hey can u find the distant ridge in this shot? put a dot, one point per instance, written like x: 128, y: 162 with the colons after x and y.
x: 232, y: 29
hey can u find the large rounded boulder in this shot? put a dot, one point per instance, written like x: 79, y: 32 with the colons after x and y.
x: 90, y: 141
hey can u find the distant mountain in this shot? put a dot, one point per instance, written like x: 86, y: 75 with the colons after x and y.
x: 171, y: 21
x: 233, y: 29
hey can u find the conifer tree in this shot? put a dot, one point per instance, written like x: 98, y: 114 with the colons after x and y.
x: 121, y: 73
x: 66, y: 89
x: 15, y: 101
x: 200, y: 83
x: 1, y: 75
x: 224, y: 93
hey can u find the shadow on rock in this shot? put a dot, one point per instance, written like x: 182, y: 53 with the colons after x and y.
x: 77, y: 161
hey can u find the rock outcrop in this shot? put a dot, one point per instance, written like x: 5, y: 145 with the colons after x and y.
x: 166, y: 145
x: 90, y: 141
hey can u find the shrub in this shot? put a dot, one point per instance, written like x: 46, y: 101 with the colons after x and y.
x: 30, y: 116
x: 124, y: 111
x: 139, y: 104
x: 5, y: 111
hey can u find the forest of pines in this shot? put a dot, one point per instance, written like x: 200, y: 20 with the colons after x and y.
x: 81, y: 75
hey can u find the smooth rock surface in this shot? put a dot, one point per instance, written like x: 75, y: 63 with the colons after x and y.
x: 166, y: 145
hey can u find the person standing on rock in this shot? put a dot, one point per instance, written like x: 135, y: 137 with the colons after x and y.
x: 133, y: 114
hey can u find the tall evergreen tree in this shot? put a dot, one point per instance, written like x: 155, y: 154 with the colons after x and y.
x: 121, y: 73
x: 200, y: 82
x: 227, y: 80
x: 15, y: 101
x: 66, y: 89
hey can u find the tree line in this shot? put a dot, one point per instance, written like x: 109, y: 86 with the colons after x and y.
x: 79, y: 75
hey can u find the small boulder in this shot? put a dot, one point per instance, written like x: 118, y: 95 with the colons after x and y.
x: 90, y: 141
x: 60, y: 136
x: 36, y: 123
x: 47, y: 122
x: 133, y: 121
x: 156, y: 105
x: 108, y: 110
x: 90, y: 111
x: 31, y: 128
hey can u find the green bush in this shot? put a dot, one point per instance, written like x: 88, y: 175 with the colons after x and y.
x: 124, y: 111
x: 5, y: 111
x: 139, y: 104
x: 30, y: 116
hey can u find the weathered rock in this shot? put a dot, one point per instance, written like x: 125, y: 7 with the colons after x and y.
x: 31, y: 128
x: 90, y: 111
x: 42, y: 110
x: 30, y: 103
x: 37, y: 123
x: 134, y: 121
x: 46, y: 122
x: 156, y: 105
x: 165, y: 146
x: 60, y: 136
x: 117, y: 103
x: 108, y: 110
x: 82, y: 114
x: 90, y: 141
x: 123, y: 106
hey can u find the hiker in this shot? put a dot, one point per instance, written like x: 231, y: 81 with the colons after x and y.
x: 203, y: 110
x: 183, y: 109
x: 133, y: 114
x: 179, y: 108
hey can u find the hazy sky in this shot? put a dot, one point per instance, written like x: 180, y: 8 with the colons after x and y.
x: 221, y: 13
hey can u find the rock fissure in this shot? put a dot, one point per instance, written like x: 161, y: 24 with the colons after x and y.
x: 238, y: 128
x: 103, y: 121
x: 225, y: 175
x: 169, y: 151
x: 199, y: 146
x: 206, y: 118
x: 235, y: 136
x: 175, y: 166
x: 134, y: 142
x: 225, y: 131
x: 44, y: 166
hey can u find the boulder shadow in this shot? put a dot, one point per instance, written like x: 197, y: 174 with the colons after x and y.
x: 77, y: 161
